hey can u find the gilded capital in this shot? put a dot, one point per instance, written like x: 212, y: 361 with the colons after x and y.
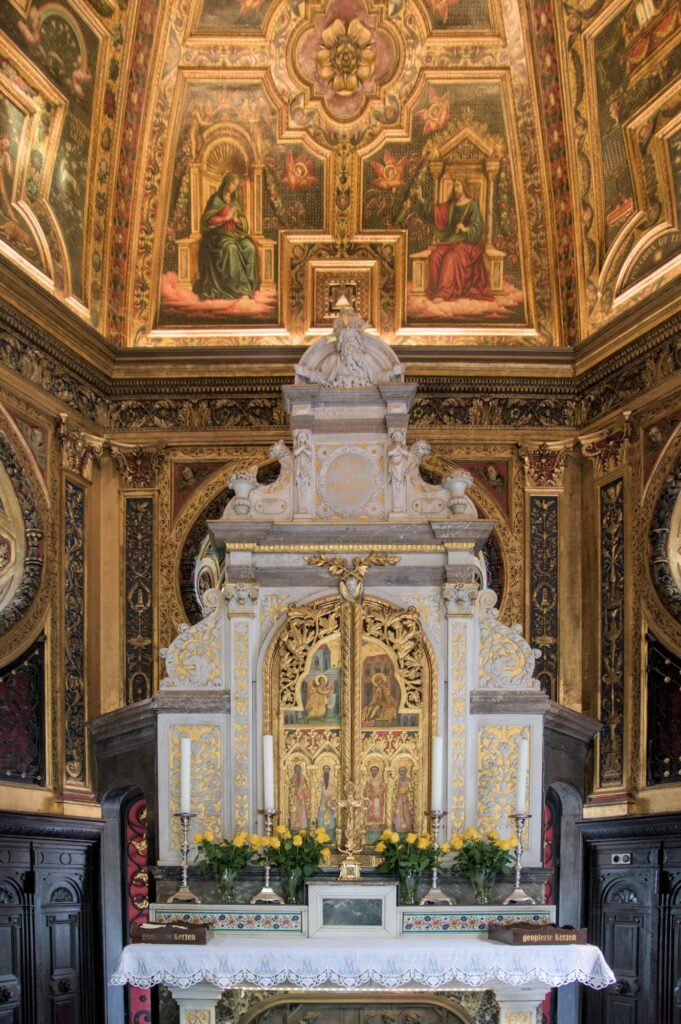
x: 544, y: 465
x: 460, y: 598
x: 80, y: 451
x: 607, y: 449
x: 138, y: 466
x: 240, y: 598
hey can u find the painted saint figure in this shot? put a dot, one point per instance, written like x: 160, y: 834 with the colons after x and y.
x: 374, y: 793
x: 318, y: 693
x: 383, y: 704
x: 6, y: 177
x: 456, y: 266
x: 403, y: 815
x: 326, y: 810
x: 228, y: 267
x: 299, y: 799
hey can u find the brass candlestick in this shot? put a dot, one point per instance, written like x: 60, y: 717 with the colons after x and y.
x: 184, y: 893
x: 267, y: 893
x: 519, y: 895
x: 435, y: 894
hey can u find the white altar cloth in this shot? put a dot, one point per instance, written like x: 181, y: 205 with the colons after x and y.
x: 282, y: 961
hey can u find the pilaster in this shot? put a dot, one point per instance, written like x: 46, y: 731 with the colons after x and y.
x: 462, y: 657
x: 607, y: 451
x: 242, y: 603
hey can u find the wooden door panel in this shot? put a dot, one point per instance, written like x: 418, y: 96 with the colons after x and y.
x: 62, y: 930
x: 619, y: 1010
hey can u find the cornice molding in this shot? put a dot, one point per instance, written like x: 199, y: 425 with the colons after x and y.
x: 203, y: 391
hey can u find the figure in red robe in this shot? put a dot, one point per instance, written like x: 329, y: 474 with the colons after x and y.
x: 456, y: 266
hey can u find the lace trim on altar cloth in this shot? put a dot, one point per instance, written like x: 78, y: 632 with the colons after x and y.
x: 598, y: 975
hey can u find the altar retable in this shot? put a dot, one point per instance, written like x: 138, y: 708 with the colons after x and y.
x: 348, y: 614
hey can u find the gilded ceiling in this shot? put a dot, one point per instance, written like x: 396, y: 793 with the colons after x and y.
x: 465, y: 171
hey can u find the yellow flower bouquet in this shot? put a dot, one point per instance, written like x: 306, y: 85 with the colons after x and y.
x: 296, y: 855
x: 479, y: 857
x: 225, y: 859
x: 408, y: 856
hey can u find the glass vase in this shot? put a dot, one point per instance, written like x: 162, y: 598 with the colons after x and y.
x: 482, y: 883
x: 291, y: 885
x: 226, y: 884
x: 409, y: 886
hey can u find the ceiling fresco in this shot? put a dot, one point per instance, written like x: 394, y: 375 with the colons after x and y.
x: 467, y: 172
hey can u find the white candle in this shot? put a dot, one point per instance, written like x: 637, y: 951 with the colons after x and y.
x: 268, y: 772
x: 185, y: 775
x: 521, y: 785
x: 437, y: 776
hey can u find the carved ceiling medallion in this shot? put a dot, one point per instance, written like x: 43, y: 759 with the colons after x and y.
x: 345, y: 58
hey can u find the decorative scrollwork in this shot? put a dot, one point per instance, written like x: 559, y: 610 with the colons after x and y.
x: 401, y: 632
x: 506, y: 659
x: 624, y: 895
x: 304, y: 628
x: 612, y: 664
x: 74, y: 631
x: 351, y: 578
x: 61, y: 895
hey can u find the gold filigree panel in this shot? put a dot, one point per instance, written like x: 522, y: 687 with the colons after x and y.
x: 207, y: 775
x: 497, y: 762
x: 457, y: 728
x: 240, y: 719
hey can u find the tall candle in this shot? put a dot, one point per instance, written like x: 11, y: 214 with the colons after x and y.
x: 185, y: 775
x: 437, y: 777
x: 268, y: 772
x: 523, y: 766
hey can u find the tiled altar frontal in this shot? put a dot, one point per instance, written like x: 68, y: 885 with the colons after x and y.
x: 293, y: 919
x: 470, y: 919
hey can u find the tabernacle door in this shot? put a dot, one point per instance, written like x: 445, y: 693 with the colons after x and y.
x: 350, y: 696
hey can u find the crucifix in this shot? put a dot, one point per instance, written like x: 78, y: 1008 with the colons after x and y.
x: 351, y: 838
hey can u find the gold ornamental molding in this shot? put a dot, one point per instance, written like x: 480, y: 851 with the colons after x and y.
x: 351, y: 577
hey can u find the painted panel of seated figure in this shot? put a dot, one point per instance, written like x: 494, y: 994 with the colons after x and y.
x: 450, y: 187
x: 234, y: 189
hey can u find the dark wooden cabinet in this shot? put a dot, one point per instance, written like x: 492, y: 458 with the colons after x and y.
x: 634, y: 915
x: 50, y: 949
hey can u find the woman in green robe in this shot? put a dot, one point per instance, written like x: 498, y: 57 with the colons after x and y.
x: 228, y: 267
